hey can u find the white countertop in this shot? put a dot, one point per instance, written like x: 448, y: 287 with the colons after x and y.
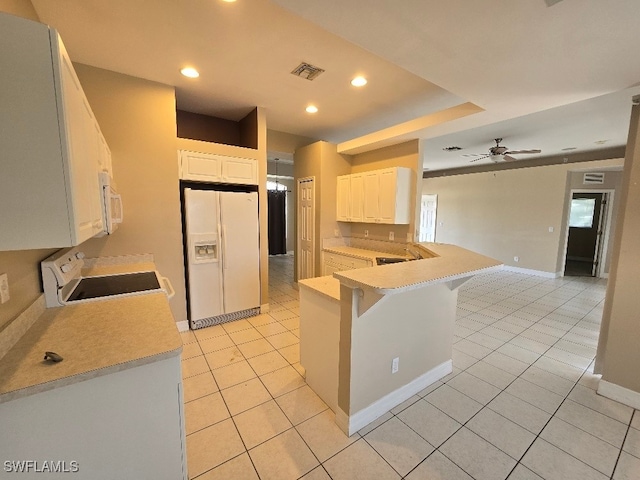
x: 94, y: 338
x: 448, y: 263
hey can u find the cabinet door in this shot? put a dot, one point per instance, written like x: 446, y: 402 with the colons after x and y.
x: 200, y: 166
x: 370, y: 197
x: 242, y: 171
x: 387, y: 195
x: 343, y: 210
x: 356, y: 198
x: 82, y: 155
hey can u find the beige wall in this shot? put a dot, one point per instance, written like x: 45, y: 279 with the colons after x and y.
x: 322, y: 161
x: 138, y: 120
x: 20, y: 8
x: 403, y: 155
x: 286, y: 142
x: 508, y: 213
x: 618, y: 348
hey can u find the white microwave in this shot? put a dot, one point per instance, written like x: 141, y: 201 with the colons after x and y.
x: 111, y: 205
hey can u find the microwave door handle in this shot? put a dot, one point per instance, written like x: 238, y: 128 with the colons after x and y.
x: 118, y: 198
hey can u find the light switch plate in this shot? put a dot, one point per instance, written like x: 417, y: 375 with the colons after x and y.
x: 4, y: 288
x: 392, y: 236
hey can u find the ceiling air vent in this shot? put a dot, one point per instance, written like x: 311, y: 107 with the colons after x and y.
x: 593, y: 178
x: 306, y: 70
x: 452, y: 149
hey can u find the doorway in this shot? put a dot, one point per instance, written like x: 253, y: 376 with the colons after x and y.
x: 428, y: 212
x: 587, y: 233
x: 277, y: 221
x: 305, y: 249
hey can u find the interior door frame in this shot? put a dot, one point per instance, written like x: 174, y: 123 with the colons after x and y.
x: 603, y: 242
x: 298, y: 255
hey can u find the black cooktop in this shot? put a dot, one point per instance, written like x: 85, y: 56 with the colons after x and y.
x: 94, y: 287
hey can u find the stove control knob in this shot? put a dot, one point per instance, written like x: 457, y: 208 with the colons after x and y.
x: 79, y: 255
x: 66, y: 268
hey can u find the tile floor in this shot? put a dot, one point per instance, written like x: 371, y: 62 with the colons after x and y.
x: 520, y: 403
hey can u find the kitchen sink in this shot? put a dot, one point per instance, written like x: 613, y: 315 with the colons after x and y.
x: 389, y: 260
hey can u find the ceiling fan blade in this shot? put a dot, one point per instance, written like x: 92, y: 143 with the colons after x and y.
x: 479, y: 158
x: 519, y: 152
x: 508, y: 158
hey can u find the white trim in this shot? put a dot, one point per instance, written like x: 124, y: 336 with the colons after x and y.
x: 265, y: 308
x: 604, y: 275
x: 350, y: 424
x: 528, y: 271
x: 183, y: 326
x: 619, y: 394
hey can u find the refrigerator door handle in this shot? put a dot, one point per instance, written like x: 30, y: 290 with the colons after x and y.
x: 223, y: 232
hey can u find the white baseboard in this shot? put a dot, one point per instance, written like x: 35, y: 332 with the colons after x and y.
x: 604, y: 275
x: 619, y: 394
x: 350, y: 424
x: 528, y: 271
x: 183, y: 326
x: 264, y: 308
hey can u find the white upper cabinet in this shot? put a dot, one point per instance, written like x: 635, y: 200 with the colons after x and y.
x: 343, y: 201
x: 209, y: 167
x: 50, y: 143
x: 377, y: 196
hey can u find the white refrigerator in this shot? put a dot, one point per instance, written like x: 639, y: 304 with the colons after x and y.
x: 223, y: 259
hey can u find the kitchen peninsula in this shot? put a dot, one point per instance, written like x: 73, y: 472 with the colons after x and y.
x: 370, y: 338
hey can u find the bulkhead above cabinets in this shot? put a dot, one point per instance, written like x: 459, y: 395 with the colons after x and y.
x: 377, y: 196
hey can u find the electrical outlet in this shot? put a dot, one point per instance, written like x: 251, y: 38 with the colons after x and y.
x: 366, y: 233
x: 395, y: 365
x: 392, y: 236
x: 516, y: 259
x: 336, y: 233
x: 550, y: 229
x: 440, y: 224
x: 4, y: 288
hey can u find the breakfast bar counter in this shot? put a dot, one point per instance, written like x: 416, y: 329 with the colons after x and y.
x: 388, y: 333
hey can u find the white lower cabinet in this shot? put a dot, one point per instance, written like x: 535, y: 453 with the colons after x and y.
x: 128, y: 424
x: 334, y: 262
x: 209, y: 167
x: 377, y: 196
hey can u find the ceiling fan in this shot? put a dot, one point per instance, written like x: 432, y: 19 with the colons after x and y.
x: 500, y: 153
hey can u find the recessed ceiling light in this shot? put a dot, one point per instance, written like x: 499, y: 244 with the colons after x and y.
x: 311, y: 109
x: 229, y: 1
x: 190, y: 72
x: 359, y: 82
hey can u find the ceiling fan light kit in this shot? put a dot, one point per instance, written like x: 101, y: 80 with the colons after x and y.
x: 500, y: 153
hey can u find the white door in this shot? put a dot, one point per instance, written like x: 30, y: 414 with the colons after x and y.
x: 428, y: 210
x: 344, y: 199
x: 240, y: 250
x: 356, y: 200
x: 306, y: 228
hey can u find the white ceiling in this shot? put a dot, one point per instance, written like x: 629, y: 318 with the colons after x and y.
x: 512, y: 59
